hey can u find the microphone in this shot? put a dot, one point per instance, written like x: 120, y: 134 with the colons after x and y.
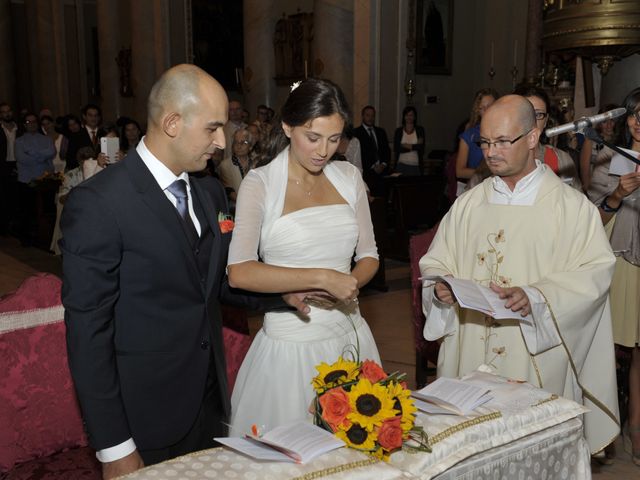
x: 585, y: 122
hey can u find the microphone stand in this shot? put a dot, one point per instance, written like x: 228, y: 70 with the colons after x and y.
x: 592, y: 135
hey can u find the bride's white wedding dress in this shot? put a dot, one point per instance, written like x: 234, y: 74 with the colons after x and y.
x: 273, y: 386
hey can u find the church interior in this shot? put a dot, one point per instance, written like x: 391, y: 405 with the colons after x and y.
x: 58, y: 56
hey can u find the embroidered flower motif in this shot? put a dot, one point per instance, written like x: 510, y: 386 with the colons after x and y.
x: 481, y: 258
x: 225, y: 221
x: 294, y: 85
x: 500, y: 351
x: 500, y: 236
x: 504, y: 281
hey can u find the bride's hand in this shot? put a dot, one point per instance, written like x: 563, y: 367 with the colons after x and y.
x: 342, y: 286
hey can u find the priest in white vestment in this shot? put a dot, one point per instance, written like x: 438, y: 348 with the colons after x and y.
x: 540, y: 244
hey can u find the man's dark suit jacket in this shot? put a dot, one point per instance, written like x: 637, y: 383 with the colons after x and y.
x: 370, y: 155
x: 141, y: 322
x: 77, y: 141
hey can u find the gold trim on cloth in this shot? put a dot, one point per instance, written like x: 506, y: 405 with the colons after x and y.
x: 546, y: 400
x: 337, y: 469
x: 585, y: 392
x: 447, y: 432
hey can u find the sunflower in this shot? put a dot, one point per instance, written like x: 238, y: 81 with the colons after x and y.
x: 358, y: 437
x: 370, y: 404
x: 404, y: 404
x: 330, y: 376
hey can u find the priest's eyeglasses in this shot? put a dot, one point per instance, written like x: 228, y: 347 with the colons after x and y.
x: 485, y: 144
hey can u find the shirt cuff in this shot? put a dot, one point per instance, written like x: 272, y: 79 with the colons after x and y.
x: 112, y: 454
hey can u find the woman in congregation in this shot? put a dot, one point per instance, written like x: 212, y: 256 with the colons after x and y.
x: 130, y: 136
x: 233, y: 169
x: 592, y: 153
x: 59, y: 140
x: 469, y: 154
x: 618, y: 200
x: 408, y: 144
x: 558, y: 160
x: 299, y: 220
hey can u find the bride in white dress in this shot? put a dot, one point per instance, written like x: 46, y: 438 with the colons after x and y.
x: 299, y: 220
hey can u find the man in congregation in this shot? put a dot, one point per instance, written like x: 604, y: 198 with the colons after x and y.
x: 540, y: 246
x: 374, y: 150
x: 234, y: 124
x: 143, y: 270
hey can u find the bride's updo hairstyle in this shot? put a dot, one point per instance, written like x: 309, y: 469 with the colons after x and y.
x: 308, y: 100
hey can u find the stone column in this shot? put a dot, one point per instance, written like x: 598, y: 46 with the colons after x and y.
x: 333, y: 24
x: 7, y: 66
x: 362, y: 47
x: 259, y: 21
x: 533, y: 49
x: 149, y: 50
x: 109, y: 19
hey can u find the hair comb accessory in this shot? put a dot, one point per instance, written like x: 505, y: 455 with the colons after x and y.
x: 295, y: 85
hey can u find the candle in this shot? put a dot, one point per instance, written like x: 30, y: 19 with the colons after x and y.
x: 515, y: 53
x: 305, y: 69
x: 237, y: 77
x: 492, y: 64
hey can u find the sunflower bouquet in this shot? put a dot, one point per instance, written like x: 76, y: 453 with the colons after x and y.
x: 367, y: 408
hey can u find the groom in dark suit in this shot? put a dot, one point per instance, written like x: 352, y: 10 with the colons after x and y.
x: 143, y: 262
x: 374, y: 150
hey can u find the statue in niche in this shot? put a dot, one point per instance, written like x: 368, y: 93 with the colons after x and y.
x: 123, y: 60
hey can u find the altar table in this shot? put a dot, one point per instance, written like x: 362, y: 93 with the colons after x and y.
x: 523, y: 432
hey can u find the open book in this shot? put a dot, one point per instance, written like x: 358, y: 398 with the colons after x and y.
x: 449, y: 395
x: 298, y: 442
x: 470, y: 294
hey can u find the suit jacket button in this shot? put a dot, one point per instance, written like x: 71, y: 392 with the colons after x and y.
x: 196, y: 251
x: 204, y: 345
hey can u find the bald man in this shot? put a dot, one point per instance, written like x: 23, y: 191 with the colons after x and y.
x: 143, y: 266
x: 540, y: 246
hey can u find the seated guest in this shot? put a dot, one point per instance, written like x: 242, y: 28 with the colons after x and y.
x: 233, y: 170
x: 408, y: 144
x: 540, y: 246
x: 469, y: 155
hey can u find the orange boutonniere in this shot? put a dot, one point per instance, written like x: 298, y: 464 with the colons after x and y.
x: 225, y: 221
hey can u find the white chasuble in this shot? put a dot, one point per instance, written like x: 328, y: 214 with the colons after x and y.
x: 556, y: 246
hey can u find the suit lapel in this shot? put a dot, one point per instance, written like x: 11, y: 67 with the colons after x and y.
x: 211, y: 217
x: 164, y: 212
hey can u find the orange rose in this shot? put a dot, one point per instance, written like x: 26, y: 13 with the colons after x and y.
x: 390, y: 434
x: 335, y: 407
x: 372, y: 371
x: 226, y: 226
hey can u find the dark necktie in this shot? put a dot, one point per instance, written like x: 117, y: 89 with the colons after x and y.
x: 94, y: 138
x: 179, y: 190
x: 373, y: 137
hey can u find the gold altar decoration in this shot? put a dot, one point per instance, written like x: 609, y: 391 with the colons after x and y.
x: 601, y: 30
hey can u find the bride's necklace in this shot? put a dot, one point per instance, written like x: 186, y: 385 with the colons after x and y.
x: 307, y: 192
